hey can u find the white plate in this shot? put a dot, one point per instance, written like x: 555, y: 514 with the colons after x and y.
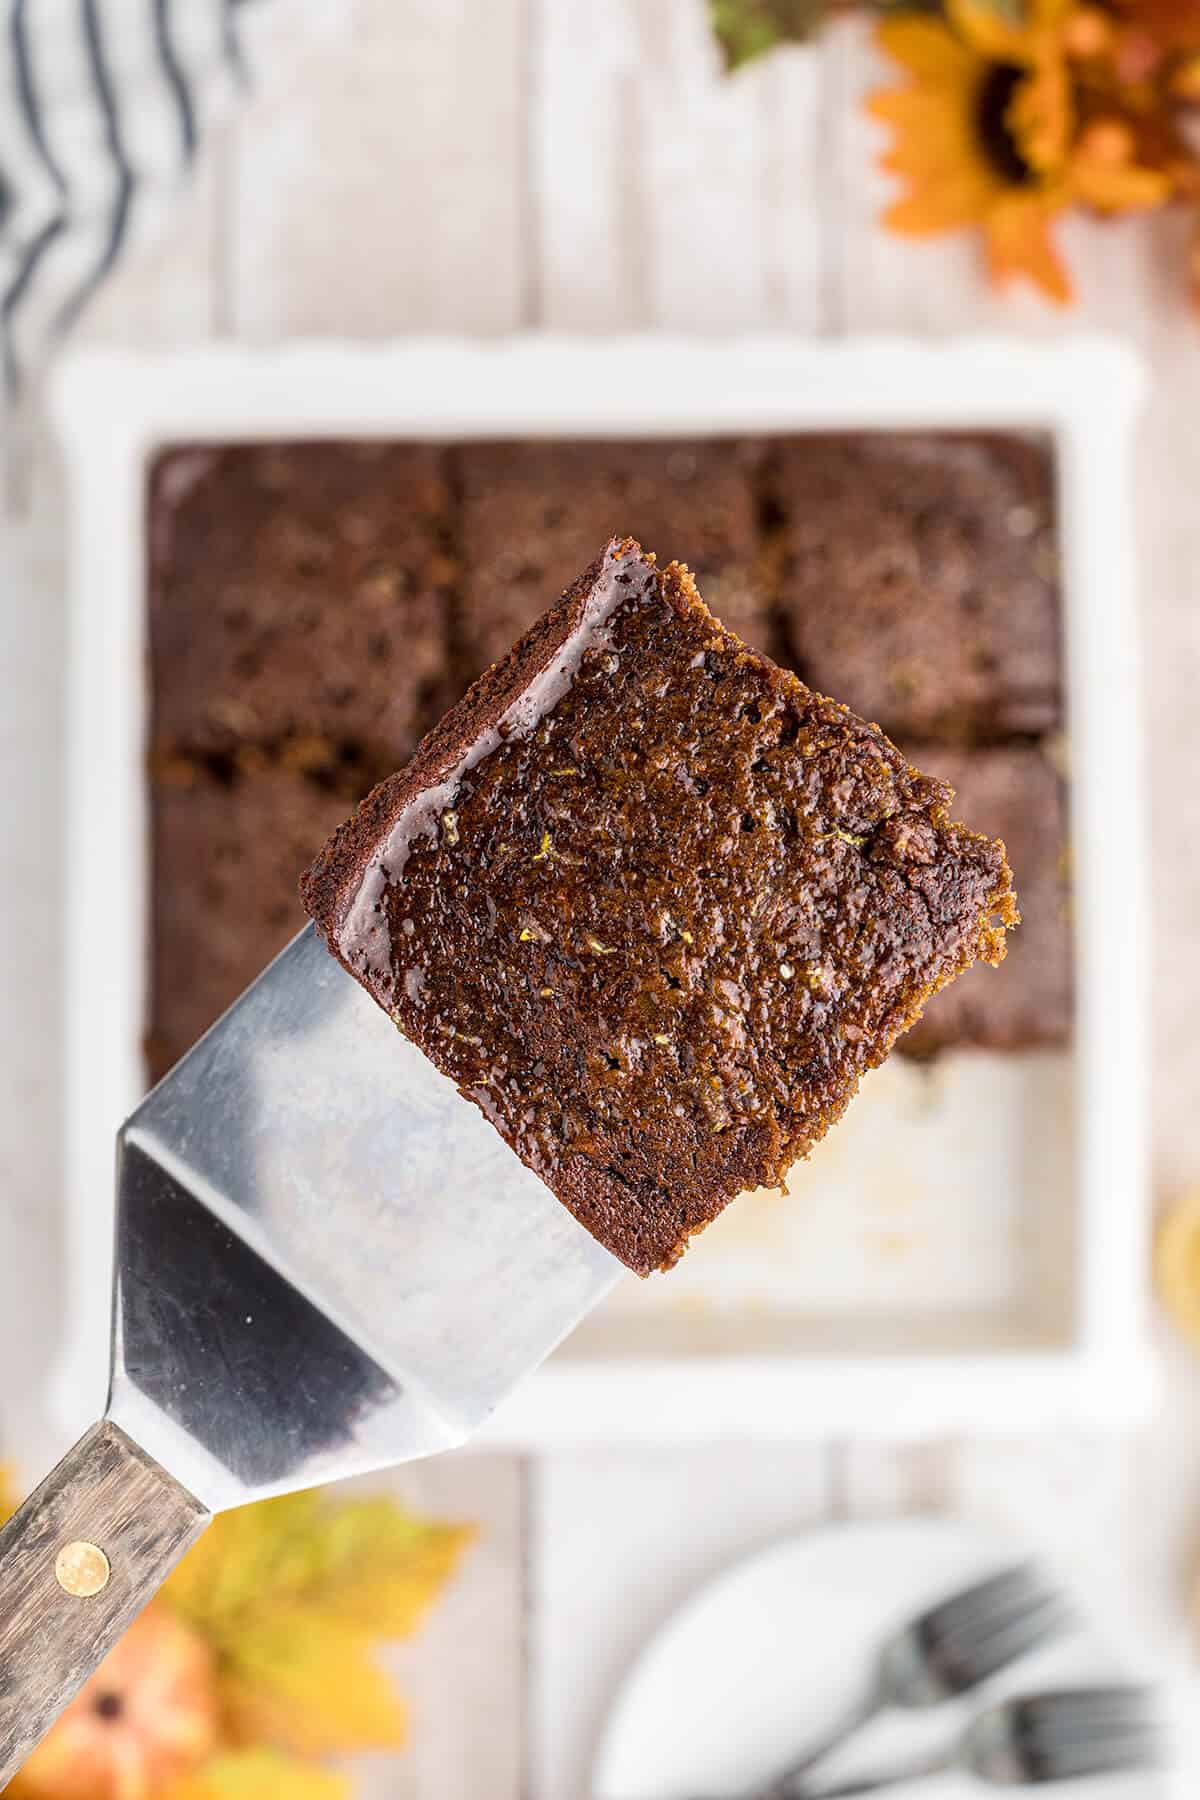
x: 769, y: 1655
x: 967, y: 1250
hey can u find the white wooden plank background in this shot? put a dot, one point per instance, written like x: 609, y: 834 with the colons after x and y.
x: 464, y: 1679
x: 623, y: 1539
x: 480, y: 165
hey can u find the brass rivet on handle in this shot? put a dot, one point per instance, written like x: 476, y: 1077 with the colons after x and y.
x: 82, y: 1569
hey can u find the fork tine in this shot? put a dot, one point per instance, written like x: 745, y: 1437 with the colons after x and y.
x: 953, y: 1632
x: 1067, y: 1715
x: 1061, y: 1735
x: 1082, y: 1731
x: 999, y: 1592
x: 1118, y: 1697
x: 998, y: 1604
x: 1094, y: 1730
x: 971, y: 1658
x: 1067, y: 1762
x: 966, y: 1640
x: 1102, y: 1739
x: 999, y: 1625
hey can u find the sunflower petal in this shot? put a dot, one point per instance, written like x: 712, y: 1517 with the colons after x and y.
x: 927, y: 136
x: 1005, y: 30
x: 1126, y: 188
x: 948, y: 204
x: 1019, y: 243
x: 934, y: 148
x: 924, y: 47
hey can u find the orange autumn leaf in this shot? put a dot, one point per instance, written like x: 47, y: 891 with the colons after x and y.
x: 295, y: 1594
x: 8, y: 1493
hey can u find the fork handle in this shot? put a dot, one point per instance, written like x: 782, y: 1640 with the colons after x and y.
x: 853, y: 1719
x: 870, y: 1783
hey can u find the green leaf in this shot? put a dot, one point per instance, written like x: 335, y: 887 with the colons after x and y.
x: 746, y: 29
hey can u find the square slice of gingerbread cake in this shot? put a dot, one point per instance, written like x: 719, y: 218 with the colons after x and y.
x: 654, y: 906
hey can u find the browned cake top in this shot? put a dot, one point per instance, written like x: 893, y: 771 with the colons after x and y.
x: 917, y: 579
x: 225, y: 860
x: 533, y: 512
x: 298, y: 588
x: 655, y: 906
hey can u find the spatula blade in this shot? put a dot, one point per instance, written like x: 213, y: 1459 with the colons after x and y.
x: 327, y: 1260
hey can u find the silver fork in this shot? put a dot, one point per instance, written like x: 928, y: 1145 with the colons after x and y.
x: 1034, y: 1738
x: 946, y: 1651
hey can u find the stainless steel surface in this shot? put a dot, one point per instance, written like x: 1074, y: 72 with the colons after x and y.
x: 947, y: 1650
x: 327, y: 1260
x: 1061, y: 1736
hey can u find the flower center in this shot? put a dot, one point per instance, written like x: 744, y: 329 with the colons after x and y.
x: 108, y: 1706
x: 991, y: 117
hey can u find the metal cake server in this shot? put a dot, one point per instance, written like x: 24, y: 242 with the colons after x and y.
x: 327, y: 1261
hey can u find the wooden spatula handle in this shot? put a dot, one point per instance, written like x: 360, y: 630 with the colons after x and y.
x: 77, y: 1564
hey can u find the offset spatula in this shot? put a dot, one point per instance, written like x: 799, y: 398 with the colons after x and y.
x: 327, y: 1261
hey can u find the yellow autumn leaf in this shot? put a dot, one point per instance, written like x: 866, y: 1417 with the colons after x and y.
x: 259, y: 1775
x: 244, y: 1561
x: 384, y: 1567
x: 311, y: 1688
x: 293, y: 1593
x: 8, y: 1493
x: 363, y: 1562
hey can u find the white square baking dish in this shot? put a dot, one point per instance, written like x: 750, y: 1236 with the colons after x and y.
x: 967, y: 1250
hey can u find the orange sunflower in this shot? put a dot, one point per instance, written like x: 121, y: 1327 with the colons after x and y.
x: 986, y: 132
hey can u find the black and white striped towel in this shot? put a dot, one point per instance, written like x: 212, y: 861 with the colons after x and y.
x: 102, y: 107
